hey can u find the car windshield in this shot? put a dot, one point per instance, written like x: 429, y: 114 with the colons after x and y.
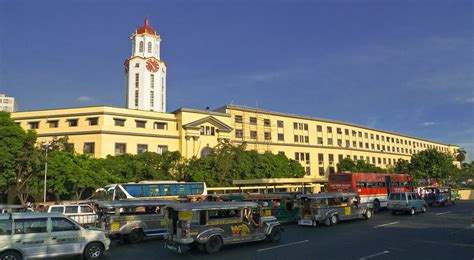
x: 394, y: 196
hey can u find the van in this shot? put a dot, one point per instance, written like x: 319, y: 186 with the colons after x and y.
x: 47, y: 235
x: 81, y: 213
x: 408, y: 202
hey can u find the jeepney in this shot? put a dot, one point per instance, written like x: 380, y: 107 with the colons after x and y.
x: 331, y: 207
x: 279, y: 205
x: 438, y: 196
x: 207, y: 226
x: 132, y: 220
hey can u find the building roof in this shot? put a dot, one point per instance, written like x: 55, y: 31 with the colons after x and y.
x: 146, y: 28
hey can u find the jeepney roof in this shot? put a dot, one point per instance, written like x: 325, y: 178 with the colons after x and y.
x: 327, y: 195
x: 10, y: 206
x: 133, y: 203
x: 212, y: 205
x: 23, y: 215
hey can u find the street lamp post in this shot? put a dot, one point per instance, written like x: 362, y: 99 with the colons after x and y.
x: 46, y: 147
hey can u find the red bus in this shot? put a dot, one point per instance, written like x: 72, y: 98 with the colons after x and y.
x: 372, y: 187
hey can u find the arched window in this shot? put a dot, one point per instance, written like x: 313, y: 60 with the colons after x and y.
x: 149, y: 47
x: 206, y: 151
x: 141, y: 47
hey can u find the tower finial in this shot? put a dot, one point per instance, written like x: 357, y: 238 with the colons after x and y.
x: 146, y: 21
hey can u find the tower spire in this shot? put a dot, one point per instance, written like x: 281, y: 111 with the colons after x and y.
x: 146, y: 21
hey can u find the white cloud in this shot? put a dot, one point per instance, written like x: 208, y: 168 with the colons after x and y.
x: 84, y: 99
x: 469, y: 100
x: 428, y: 123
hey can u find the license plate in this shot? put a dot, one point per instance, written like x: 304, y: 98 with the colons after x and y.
x: 175, y: 248
x: 305, y: 222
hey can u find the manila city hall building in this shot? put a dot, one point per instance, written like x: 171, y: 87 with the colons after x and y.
x: 318, y: 144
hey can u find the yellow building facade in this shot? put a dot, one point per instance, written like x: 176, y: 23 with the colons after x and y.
x: 318, y: 144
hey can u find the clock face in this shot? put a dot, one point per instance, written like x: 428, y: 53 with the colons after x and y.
x: 152, y: 66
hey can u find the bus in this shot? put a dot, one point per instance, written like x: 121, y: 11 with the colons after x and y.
x: 373, y: 188
x: 152, y: 190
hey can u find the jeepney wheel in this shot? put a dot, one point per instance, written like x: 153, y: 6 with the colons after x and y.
x: 93, y: 251
x: 11, y: 255
x: 197, y: 247
x: 333, y: 220
x: 135, y: 236
x: 423, y: 209
x: 376, y: 206
x: 412, y: 211
x: 368, y: 214
x: 275, y: 235
x: 214, y: 244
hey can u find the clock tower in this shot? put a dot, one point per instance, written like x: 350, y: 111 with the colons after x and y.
x: 145, y: 72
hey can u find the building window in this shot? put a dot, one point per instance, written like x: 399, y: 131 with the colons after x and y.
x: 355, y: 158
x: 253, y: 134
x: 331, y: 170
x: 136, y: 98
x: 297, y: 156
x: 372, y: 136
x: 306, y: 139
x: 137, y: 65
x: 305, y: 126
x: 162, y: 149
x: 281, y: 137
x: 149, y: 47
x: 339, y: 142
x: 377, y: 137
x: 308, y: 171
x: 354, y: 133
x: 140, y: 49
x: 320, y: 158
x: 340, y: 157
x: 238, y: 119
x: 320, y: 140
x: 267, y: 136
x: 389, y: 161
x: 152, y: 98
x: 360, y: 134
x: 137, y: 80
x: 142, y: 148
x: 348, y: 144
x: 339, y: 130
x: 160, y: 125
x: 280, y: 123
x: 346, y: 131
x: 354, y: 144
x: 239, y: 133
x: 296, y: 138
x: 378, y: 147
x: 366, y: 145
x: 319, y: 128
x: 301, y: 139
x: 34, y: 125
x: 120, y: 148
x: 295, y: 126
x: 140, y: 124
x: 72, y: 122
x: 379, y: 160
x: 53, y: 124
x: 253, y: 120
x: 329, y: 129
x: 383, y: 138
x: 384, y: 160
x: 361, y: 145
x: 366, y: 135
x: 372, y: 146
x: 93, y: 121
x: 266, y: 122
x: 331, y: 158
x: 321, y: 171
x: 373, y: 160
x: 119, y: 122
x: 208, y: 130
x: 329, y: 141
x: 89, y: 148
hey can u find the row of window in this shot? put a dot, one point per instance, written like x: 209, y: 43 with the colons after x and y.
x: 375, y: 160
x: 121, y: 148
x: 95, y: 121
x: 360, y: 134
x: 380, y: 184
x: 35, y: 225
x: 141, y: 46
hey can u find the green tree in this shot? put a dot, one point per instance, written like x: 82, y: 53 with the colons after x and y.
x: 460, y: 155
x: 346, y: 165
x: 431, y: 164
x: 402, y: 166
x: 19, y: 159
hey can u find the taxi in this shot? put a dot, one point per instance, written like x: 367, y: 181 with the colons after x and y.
x: 208, y: 226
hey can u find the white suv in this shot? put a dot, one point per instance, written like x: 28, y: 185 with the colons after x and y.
x: 81, y: 213
x: 39, y: 235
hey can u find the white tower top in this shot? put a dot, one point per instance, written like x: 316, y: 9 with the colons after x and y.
x: 145, y: 72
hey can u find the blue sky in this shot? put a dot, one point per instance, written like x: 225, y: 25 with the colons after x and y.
x: 403, y: 66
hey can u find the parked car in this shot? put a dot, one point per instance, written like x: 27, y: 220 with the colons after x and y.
x: 408, y: 202
x: 438, y: 196
x: 83, y: 214
x: 207, y: 226
x: 47, y: 235
x: 8, y: 208
x: 133, y: 220
x: 331, y: 207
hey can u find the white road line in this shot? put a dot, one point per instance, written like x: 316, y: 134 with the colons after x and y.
x: 444, y: 243
x: 374, y: 255
x: 388, y: 224
x: 289, y: 244
x: 442, y: 213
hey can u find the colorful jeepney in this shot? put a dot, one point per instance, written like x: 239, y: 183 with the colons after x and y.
x: 132, y: 220
x: 331, y: 207
x: 207, y: 226
x: 279, y: 205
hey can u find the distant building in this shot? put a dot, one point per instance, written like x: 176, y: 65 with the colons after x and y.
x: 7, y: 104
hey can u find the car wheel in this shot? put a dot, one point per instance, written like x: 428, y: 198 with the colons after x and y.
x: 368, y: 214
x: 135, y: 236
x: 93, y: 251
x: 412, y: 211
x: 11, y: 255
x: 333, y: 220
x: 214, y: 244
x: 275, y: 235
x: 423, y: 209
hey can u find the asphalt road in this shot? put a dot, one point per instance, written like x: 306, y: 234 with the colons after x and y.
x: 440, y: 233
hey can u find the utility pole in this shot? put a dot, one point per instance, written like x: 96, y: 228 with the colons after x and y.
x: 46, y: 147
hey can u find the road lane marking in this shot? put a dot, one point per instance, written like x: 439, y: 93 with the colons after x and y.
x: 444, y: 243
x: 388, y: 224
x: 289, y: 244
x: 374, y: 255
x: 442, y: 213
